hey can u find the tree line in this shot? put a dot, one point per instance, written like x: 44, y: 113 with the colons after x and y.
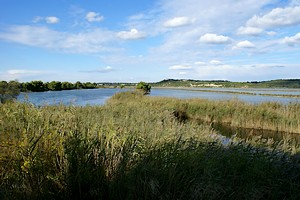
x: 10, y: 90
x: 40, y: 86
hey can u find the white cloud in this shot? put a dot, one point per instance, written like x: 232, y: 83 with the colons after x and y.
x: 106, y: 69
x: 48, y: 20
x: 292, y: 41
x: 24, y: 72
x: 278, y: 17
x: 178, y: 21
x: 131, y: 35
x: 214, y: 39
x: 103, y: 70
x: 199, y: 63
x: 52, y: 20
x: 271, y: 33
x: 249, y: 31
x: 32, y: 36
x: 242, y: 72
x: 180, y: 67
x: 245, y: 44
x: 37, y: 19
x: 182, y: 73
x: 92, y: 41
x: 21, y: 74
x: 93, y: 17
x: 215, y: 62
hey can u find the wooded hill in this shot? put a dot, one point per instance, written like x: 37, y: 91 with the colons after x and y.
x: 280, y: 83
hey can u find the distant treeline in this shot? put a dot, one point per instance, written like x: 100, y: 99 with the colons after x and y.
x: 280, y: 83
x: 40, y: 86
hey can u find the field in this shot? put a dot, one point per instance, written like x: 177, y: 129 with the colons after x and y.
x: 141, y: 147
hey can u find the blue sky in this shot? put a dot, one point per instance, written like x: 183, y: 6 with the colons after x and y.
x: 149, y: 40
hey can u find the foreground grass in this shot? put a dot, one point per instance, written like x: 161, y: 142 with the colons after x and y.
x: 137, y: 147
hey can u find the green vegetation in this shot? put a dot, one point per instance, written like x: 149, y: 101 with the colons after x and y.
x: 39, y: 86
x: 142, y: 147
x: 281, y: 83
x: 9, y: 91
x: 144, y: 87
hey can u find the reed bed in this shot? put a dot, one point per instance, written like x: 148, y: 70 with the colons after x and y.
x: 138, y: 147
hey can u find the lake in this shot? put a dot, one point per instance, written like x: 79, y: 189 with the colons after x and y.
x: 99, y: 96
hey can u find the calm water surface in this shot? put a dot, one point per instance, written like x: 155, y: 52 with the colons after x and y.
x: 70, y: 97
x: 99, y: 96
x: 184, y: 94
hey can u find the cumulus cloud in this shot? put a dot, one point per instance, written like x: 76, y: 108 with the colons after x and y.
x: 133, y: 34
x: 52, y: 20
x: 178, y: 21
x: 293, y: 40
x: 245, y: 44
x: 48, y: 20
x: 214, y: 39
x: 254, y: 31
x: 93, y: 17
x: 180, y: 67
x: 278, y: 17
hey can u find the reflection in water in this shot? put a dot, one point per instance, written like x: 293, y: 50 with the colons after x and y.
x: 227, y: 131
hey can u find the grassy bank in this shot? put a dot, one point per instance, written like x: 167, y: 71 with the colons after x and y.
x: 139, y: 147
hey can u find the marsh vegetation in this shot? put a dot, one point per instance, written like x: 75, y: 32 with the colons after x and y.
x: 143, y: 147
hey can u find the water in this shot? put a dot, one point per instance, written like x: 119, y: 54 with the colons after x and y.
x: 184, y: 94
x: 273, y: 91
x: 99, y: 96
x: 227, y: 131
x: 70, y: 97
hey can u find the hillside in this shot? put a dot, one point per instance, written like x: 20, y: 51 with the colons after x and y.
x: 280, y: 83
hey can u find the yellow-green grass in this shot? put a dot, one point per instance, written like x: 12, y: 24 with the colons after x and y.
x: 138, y: 147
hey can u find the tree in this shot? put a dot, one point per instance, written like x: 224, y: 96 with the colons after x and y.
x: 89, y: 85
x: 54, y: 85
x: 67, y: 86
x: 78, y: 85
x: 9, y: 90
x: 36, y: 86
x: 144, y: 87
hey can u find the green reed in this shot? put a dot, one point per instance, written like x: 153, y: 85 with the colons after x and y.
x: 140, y: 147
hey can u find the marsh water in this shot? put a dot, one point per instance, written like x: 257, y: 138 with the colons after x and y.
x: 100, y: 96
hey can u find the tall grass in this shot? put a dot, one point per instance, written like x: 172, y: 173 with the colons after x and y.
x: 135, y: 147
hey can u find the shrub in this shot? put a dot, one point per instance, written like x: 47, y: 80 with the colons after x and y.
x: 144, y: 87
x: 9, y: 91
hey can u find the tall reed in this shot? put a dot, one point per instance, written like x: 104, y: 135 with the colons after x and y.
x: 139, y: 147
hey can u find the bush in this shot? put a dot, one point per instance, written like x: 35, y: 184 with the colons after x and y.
x: 144, y: 87
x: 9, y: 91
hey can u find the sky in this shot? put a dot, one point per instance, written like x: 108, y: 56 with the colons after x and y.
x: 149, y: 40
